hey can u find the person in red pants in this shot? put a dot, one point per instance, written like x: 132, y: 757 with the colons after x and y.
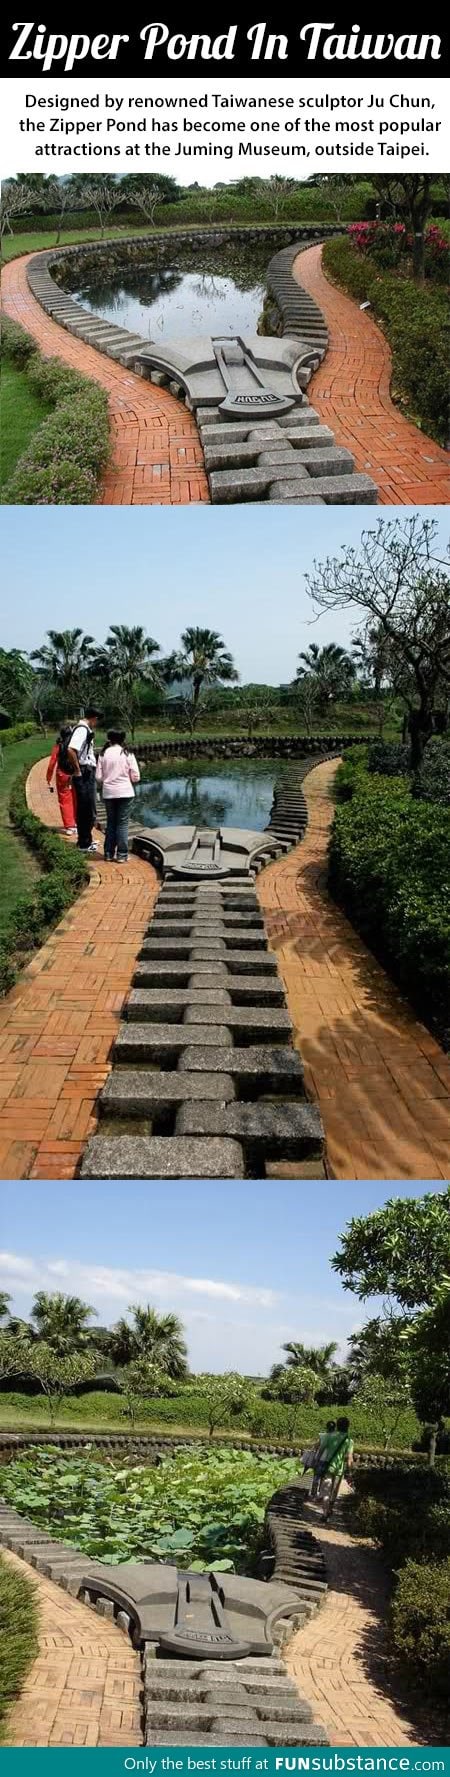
x: 63, y: 782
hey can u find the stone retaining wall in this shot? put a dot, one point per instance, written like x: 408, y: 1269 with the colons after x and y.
x: 288, y: 746
x: 156, y: 1447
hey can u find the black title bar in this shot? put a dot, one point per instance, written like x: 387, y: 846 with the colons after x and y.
x: 157, y: 45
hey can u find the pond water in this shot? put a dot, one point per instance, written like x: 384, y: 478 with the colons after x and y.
x: 206, y: 793
x: 192, y: 294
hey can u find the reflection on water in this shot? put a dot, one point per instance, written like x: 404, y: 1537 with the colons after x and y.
x: 237, y: 794
x: 165, y: 301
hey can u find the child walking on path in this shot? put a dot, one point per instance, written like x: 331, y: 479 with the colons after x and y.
x: 117, y: 772
x: 63, y: 781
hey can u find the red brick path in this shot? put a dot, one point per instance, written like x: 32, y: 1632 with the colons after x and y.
x: 157, y: 458
x: 351, y: 393
x: 84, y: 1687
x: 57, y: 1026
x: 382, y: 1082
x: 341, y: 1660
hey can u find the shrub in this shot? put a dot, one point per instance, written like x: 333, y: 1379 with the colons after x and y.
x: 20, y: 731
x: 415, y: 318
x: 68, y: 452
x: 16, y: 344
x: 420, y: 1616
x: 388, y: 758
x: 388, y: 867
x: 406, y: 1509
x: 432, y: 780
x: 65, y: 873
x: 18, y: 1634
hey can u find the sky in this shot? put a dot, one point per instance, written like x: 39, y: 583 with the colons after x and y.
x: 246, y: 1266
x: 237, y: 569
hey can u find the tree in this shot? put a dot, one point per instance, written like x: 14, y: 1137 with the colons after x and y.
x: 255, y: 705
x: 308, y: 697
x: 14, y: 202
x: 275, y: 191
x: 16, y: 680
x: 147, y: 195
x: 65, y: 661
x: 378, y: 1348
x: 157, y: 1337
x: 317, y: 1358
x: 126, y: 662
x: 388, y: 1401
x: 62, y: 1321
x: 226, y: 1397
x: 401, y: 1251
x: 332, y: 669
x: 298, y: 1385
x: 102, y: 195
x: 203, y: 659
x: 143, y: 1381
x: 4, y: 1304
x: 336, y: 187
x: 409, y: 196
x: 403, y: 586
x: 56, y: 1375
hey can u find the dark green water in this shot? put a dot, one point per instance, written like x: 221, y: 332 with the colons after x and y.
x: 207, y: 793
x: 220, y: 291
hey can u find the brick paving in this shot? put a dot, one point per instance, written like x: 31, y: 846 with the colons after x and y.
x: 381, y: 1080
x: 156, y: 455
x: 351, y: 392
x: 58, y: 1024
x: 341, y: 1660
x: 84, y: 1687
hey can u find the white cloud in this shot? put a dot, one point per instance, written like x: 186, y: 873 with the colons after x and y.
x: 108, y: 1283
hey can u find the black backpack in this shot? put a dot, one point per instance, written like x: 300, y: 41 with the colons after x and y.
x: 64, y: 763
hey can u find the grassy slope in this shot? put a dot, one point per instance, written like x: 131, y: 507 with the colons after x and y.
x: 18, y: 866
x: 18, y: 1636
x: 102, y: 1412
x: 21, y: 412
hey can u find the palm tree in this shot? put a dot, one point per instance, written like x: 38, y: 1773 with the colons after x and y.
x: 4, y: 1303
x: 158, y: 1337
x: 203, y: 659
x: 65, y: 660
x: 127, y: 661
x: 62, y: 1321
x: 311, y: 1357
x: 331, y: 667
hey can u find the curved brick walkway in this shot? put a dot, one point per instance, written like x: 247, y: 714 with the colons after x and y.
x: 57, y: 1025
x: 157, y: 458
x: 84, y: 1687
x: 382, y: 1082
x: 351, y: 393
x: 341, y: 1660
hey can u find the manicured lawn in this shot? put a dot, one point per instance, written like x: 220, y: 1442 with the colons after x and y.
x: 21, y: 414
x: 18, y: 1636
x: 18, y: 866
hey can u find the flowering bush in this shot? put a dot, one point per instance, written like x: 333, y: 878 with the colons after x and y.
x: 390, y: 242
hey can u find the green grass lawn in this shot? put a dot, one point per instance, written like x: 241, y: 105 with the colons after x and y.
x: 21, y: 414
x: 18, y: 1637
x: 18, y: 866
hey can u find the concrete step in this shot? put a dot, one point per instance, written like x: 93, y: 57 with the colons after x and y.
x: 159, y: 1157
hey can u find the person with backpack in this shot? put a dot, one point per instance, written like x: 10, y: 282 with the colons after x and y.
x: 319, y: 1462
x: 63, y: 779
x: 81, y: 763
x: 337, y: 1459
x: 117, y: 773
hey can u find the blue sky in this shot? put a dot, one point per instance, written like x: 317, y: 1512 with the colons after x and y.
x: 238, y: 569
x: 245, y: 1265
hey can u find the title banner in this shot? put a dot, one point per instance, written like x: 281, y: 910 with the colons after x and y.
x: 198, y: 44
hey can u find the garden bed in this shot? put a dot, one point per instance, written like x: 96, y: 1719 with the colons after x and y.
x: 18, y: 1636
x: 68, y: 448
x: 416, y: 322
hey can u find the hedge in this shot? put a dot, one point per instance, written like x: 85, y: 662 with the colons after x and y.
x: 420, y: 1618
x: 18, y: 1635
x: 388, y: 868
x: 20, y: 731
x: 65, y: 872
x: 415, y: 319
x: 432, y: 780
x: 68, y: 451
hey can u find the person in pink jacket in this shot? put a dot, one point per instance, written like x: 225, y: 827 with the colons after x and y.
x: 117, y: 771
